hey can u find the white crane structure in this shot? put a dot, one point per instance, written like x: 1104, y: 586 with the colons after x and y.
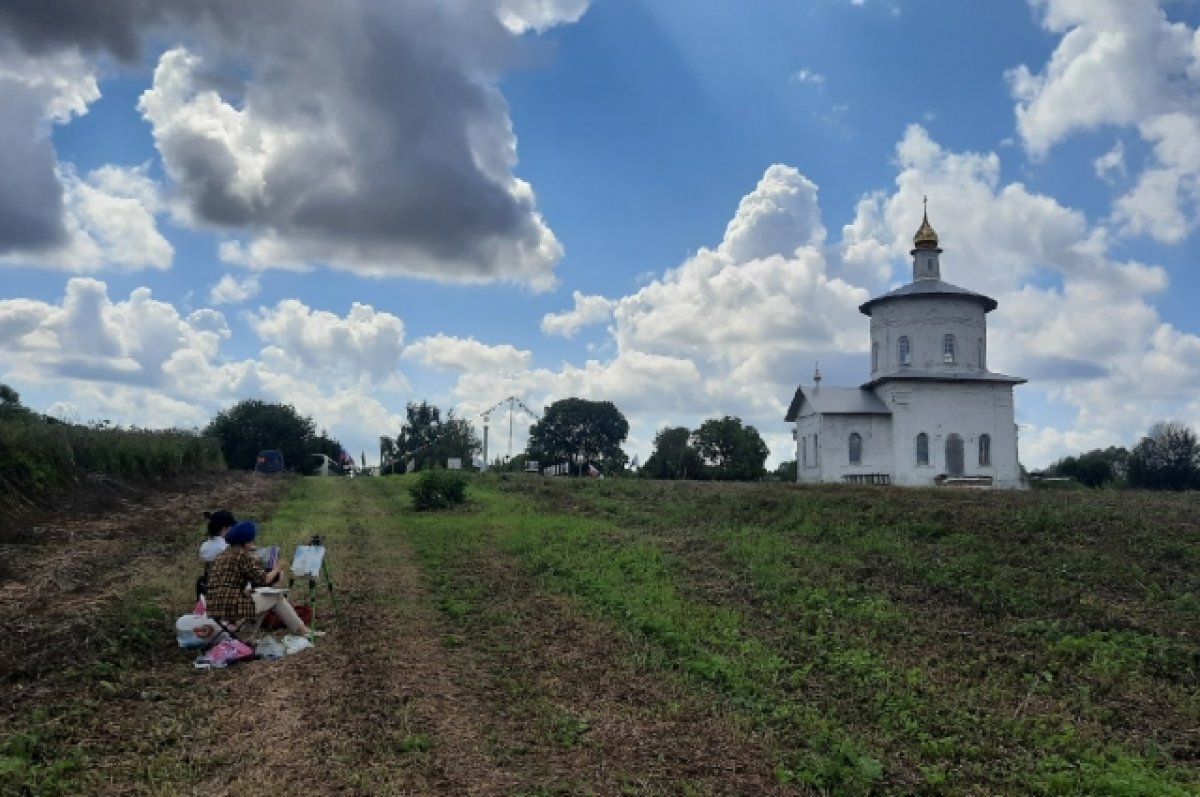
x: 513, y: 403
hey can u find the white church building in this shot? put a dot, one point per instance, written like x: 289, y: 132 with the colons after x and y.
x: 932, y: 412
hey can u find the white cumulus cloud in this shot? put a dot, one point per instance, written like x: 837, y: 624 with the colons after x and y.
x: 1122, y: 63
x: 366, y: 342
x: 588, y: 310
x: 231, y: 290
x: 467, y: 354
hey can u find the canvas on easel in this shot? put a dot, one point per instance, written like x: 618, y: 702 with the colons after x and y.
x: 309, y: 562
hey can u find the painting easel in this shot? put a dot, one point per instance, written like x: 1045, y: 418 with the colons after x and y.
x: 309, y: 562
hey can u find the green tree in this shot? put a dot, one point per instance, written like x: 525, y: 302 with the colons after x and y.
x: 416, y: 436
x: 731, y: 451
x: 1167, y: 458
x: 673, y: 456
x: 9, y: 398
x: 579, y: 431
x: 786, y: 472
x: 252, y: 425
x: 11, y: 406
x: 429, y: 441
x: 1095, y: 468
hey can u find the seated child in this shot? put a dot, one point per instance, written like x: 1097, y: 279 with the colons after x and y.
x: 219, y: 522
x: 234, y: 571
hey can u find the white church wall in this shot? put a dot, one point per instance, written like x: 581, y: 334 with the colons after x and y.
x: 808, y: 439
x: 940, y: 409
x: 875, y: 434
x: 925, y: 322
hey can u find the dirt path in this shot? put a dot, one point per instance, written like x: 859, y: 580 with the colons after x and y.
x: 376, y: 709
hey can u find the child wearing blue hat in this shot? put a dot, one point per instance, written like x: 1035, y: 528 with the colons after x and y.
x: 235, y: 569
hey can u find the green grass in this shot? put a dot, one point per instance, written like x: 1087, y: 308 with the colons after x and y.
x: 807, y: 612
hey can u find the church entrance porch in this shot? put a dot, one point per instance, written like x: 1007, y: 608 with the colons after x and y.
x: 954, y: 455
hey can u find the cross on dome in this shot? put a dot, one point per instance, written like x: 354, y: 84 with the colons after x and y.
x: 925, y: 238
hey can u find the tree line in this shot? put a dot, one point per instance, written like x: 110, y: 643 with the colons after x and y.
x: 1166, y: 458
x: 588, y: 435
x: 585, y: 436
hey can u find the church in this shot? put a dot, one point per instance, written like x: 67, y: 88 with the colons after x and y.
x: 932, y: 412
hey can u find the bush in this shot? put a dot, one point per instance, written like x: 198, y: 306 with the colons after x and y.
x: 438, y: 489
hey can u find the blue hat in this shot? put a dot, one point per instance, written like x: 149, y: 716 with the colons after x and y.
x: 242, y: 533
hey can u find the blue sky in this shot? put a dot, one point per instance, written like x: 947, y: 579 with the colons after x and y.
x: 674, y: 206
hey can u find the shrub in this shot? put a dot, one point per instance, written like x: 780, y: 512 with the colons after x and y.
x: 438, y: 489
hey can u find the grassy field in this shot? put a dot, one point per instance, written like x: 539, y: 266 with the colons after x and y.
x: 611, y: 637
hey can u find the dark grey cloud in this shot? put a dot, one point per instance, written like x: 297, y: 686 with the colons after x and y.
x: 1041, y: 368
x: 31, y: 198
x: 114, y: 26
x: 362, y: 134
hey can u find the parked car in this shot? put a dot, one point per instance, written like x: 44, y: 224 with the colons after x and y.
x: 269, y: 461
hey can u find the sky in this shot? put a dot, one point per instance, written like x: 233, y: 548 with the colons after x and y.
x: 349, y: 205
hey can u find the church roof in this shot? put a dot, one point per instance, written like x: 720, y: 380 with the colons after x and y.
x: 929, y: 289
x: 944, y: 376
x: 837, y: 401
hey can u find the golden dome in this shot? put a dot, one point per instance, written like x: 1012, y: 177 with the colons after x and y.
x: 925, y: 238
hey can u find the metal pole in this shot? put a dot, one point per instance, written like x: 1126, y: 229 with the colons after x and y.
x: 510, y: 424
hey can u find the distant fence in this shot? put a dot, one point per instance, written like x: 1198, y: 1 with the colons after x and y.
x: 867, y: 478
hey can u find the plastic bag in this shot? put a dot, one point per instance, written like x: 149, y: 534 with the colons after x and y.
x: 294, y: 644
x: 269, y: 648
x: 224, y: 653
x: 196, y: 631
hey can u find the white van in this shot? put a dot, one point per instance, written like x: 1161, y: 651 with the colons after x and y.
x: 327, y: 467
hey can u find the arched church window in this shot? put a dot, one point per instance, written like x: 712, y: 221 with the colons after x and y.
x: 855, y: 448
x: 874, y: 356
x: 948, y: 349
x: 985, y: 450
x: 904, y: 349
x: 922, y: 449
